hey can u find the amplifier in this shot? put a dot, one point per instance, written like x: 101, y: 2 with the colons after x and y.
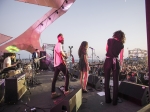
x: 15, y: 87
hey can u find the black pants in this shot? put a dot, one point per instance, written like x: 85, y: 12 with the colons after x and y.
x: 59, y: 68
x: 108, y: 67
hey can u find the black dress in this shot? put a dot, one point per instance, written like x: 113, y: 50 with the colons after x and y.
x: 82, y: 63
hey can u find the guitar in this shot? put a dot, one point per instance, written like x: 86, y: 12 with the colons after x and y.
x: 63, y: 58
x: 37, y: 59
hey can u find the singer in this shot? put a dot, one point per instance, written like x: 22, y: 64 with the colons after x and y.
x: 83, y: 65
x: 114, y: 47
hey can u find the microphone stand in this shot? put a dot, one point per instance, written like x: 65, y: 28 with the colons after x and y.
x: 93, y: 78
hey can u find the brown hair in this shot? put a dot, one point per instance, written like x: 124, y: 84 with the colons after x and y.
x: 120, y: 36
x: 82, y: 48
x: 59, y: 35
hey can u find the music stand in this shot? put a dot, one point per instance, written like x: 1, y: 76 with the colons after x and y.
x: 93, y: 78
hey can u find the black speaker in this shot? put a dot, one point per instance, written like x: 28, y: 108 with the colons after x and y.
x: 136, y: 93
x: 43, y: 53
x: 43, y: 60
x: 70, y: 103
x: 14, y: 88
x: 95, y: 82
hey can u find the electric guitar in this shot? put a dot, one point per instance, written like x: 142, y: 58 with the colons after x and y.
x: 37, y: 59
x: 63, y: 58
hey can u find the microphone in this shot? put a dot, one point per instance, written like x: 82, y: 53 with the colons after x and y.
x: 91, y: 48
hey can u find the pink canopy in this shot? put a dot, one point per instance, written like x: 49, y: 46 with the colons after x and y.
x: 4, y: 38
x: 29, y: 40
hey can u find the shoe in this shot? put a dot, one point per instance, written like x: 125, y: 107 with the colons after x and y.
x: 66, y: 92
x: 56, y: 95
x: 84, y: 91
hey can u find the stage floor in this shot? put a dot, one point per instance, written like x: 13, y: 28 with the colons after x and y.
x: 40, y: 98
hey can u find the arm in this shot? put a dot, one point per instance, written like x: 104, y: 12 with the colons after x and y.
x: 121, y: 57
x: 86, y: 61
x: 106, y: 47
x: 61, y: 51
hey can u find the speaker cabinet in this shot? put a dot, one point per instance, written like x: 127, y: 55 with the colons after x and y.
x: 136, y: 93
x: 71, y: 102
x: 43, y: 64
x: 14, y: 88
x: 95, y: 82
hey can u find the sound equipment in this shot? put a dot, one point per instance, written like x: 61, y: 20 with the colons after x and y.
x: 14, y: 88
x: 95, y: 82
x: 71, y: 102
x: 43, y: 64
x: 136, y: 93
x: 42, y: 54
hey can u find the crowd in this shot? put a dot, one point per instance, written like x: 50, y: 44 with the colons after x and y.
x: 135, y: 71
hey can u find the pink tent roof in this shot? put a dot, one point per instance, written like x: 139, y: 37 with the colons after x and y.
x: 4, y: 38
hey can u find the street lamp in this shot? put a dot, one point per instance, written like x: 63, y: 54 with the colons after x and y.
x: 70, y: 47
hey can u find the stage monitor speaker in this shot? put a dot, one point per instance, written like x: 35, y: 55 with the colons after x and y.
x: 136, y: 93
x: 43, y: 64
x: 15, y: 87
x: 95, y: 82
x: 70, y: 103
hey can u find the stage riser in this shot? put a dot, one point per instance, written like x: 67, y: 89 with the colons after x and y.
x: 71, y: 102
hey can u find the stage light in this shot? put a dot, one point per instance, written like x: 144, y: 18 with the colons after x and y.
x: 57, y: 11
x: 62, y: 7
x: 49, y: 18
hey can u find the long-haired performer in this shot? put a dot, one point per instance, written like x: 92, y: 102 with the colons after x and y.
x: 59, y: 65
x: 83, y: 65
x: 114, y: 47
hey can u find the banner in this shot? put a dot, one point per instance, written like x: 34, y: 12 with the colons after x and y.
x: 48, y: 46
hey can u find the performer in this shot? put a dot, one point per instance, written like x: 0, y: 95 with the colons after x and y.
x: 114, y: 47
x: 35, y: 55
x: 7, y: 64
x: 59, y: 65
x: 83, y: 65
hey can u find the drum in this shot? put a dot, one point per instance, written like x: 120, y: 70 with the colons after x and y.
x: 13, y: 72
x: 28, y: 71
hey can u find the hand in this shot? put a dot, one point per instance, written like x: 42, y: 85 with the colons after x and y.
x: 88, y: 68
x: 14, y: 64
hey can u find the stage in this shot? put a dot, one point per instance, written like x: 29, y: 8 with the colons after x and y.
x: 40, y: 98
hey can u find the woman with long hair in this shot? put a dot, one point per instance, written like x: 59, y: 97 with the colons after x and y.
x: 114, y: 47
x: 83, y: 65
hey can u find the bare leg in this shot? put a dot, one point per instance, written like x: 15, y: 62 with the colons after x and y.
x: 81, y: 78
x: 85, y: 80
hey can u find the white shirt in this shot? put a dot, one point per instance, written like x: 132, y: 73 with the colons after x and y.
x: 57, y: 56
x: 6, y: 61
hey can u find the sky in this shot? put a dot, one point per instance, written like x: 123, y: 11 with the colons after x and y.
x: 93, y: 21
